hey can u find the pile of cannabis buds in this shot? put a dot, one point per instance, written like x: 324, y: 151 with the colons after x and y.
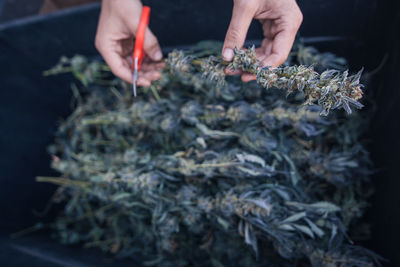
x: 204, y: 170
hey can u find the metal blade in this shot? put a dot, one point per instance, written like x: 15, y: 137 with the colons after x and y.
x: 135, y: 75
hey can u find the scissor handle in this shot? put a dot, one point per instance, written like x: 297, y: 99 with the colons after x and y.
x: 140, y: 34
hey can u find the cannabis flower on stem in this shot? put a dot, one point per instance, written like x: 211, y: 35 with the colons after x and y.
x: 331, y: 89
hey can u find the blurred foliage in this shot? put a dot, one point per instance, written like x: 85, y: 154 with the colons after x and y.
x: 204, y: 170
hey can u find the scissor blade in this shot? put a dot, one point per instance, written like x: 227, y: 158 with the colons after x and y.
x: 135, y: 76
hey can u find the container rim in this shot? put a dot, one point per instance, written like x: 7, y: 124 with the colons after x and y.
x: 20, y: 22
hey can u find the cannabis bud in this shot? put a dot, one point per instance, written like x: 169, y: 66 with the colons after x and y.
x: 331, y: 89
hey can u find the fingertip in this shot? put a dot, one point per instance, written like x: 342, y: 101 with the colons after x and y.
x: 143, y: 82
x: 246, y: 77
x: 151, y: 46
x: 157, y: 55
x: 227, y: 54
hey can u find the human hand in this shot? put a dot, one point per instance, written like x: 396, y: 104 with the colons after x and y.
x: 118, y: 23
x: 280, y: 20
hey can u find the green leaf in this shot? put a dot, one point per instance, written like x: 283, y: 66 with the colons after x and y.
x: 295, y: 217
x: 225, y: 224
x: 318, y: 231
x: 304, y: 229
x: 120, y: 196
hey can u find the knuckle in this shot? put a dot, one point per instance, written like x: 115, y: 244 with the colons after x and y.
x: 151, y: 42
x: 294, y: 26
x: 233, y: 35
x: 290, y: 28
x: 244, y: 5
x: 152, y: 45
x: 299, y: 17
x: 98, y: 43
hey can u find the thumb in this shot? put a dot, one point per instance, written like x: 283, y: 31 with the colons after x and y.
x: 242, y: 15
x: 151, y: 46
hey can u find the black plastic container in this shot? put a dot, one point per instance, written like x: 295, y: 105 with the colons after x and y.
x: 31, y: 105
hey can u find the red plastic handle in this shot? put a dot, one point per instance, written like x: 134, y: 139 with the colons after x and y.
x: 140, y: 34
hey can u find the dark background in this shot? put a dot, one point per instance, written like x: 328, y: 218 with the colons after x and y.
x: 13, y: 9
x: 31, y: 105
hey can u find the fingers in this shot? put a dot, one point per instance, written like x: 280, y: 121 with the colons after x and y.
x: 265, y: 49
x: 145, y: 78
x: 117, y: 27
x: 151, y: 46
x: 281, y: 21
x: 242, y: 15
x: 273, y: 53
x: 281, y: 43
x: 149, y: 71
x: 118, y: 56
x: 281, y: 46
x: 117, y: 64
x: 149, y: 65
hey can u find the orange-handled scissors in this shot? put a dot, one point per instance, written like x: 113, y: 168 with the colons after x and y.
x: 138, y: 52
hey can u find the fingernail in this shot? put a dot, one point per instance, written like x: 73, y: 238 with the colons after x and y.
x: 227, y: 54
x: 157, y: 55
